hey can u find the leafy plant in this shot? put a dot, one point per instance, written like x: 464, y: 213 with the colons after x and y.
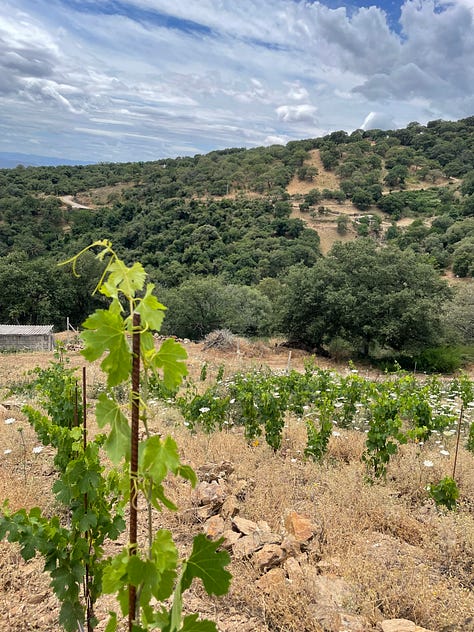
x: 317, y: 439
x: 209, y: 410
x: 384, y: 434
x: 144, y: 573
x: 445, y: 493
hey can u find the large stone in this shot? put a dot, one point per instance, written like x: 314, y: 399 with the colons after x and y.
x: 269, y: 556
x: 214, y: 527
x: 267, y: 536
x: 230, y: 507
x: 401, y: 625
x: 246, y: 546
x: 242, y: 487
x: 230, y: 538
x: 294, y: 570
x: 300, y: 527
x: 333, y: 589
x: 273, y: 581
x: 215, y: 471
x: 213, y: 493
x: 352, y: 623
x: 329, y: 565
x: 244, y: 526
x: 291, y: 546
x: 333, y: 621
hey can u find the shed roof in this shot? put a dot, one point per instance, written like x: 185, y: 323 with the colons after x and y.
x: 25, y: 330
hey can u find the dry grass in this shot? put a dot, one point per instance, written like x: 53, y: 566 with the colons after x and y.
x: 324, y: 179
x: 400, y: 556
x: 403, y: 557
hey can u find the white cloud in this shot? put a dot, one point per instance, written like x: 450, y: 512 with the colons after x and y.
x: 296, y: 113
x: 378, y: 120
x: 232, y: 74
x: 276, y: 140
x: 298, y: 93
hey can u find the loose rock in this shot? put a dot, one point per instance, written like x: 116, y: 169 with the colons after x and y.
x: 299, y: 526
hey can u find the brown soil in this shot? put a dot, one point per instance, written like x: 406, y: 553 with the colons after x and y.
x: 324, y: 179
x: 102, y: 195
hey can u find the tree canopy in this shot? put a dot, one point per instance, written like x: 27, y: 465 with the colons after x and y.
x: 367, y: 295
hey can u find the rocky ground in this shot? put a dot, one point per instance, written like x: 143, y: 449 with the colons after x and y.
x: 313, y: 548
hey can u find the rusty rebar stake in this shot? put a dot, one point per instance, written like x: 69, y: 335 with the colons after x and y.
x: 132, y: 541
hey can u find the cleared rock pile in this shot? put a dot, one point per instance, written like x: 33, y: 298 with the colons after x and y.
x: 283, y: 559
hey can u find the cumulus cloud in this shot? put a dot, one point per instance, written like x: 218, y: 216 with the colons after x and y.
x: 296, y: 113
x: 202, y: 75
x: 276, y: 140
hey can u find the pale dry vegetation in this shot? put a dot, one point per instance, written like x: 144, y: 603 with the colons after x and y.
x: 394, y: 553
x: 326, y: 224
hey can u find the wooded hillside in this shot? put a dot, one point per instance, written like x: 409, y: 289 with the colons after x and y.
x: 240, y: 221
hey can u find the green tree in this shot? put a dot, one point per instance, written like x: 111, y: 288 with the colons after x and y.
x: 459, y: 314
x: 199, y: 306
x: 396, y: 176
x: 463, y: 258
x: 368, y: 295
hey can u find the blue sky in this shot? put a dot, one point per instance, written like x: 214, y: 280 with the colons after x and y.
x: 128, y: 80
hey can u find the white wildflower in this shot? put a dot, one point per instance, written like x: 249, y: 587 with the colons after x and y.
x: 10, y: 420
x: 444, y: 452
x: 428, y: 463
x: 204, y: 409
x: 7, y: 452
x: 38, y: 449
x: 336, y: 434
x: 232, y: 401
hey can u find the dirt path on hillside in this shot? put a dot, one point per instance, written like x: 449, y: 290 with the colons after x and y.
x: 69, y: 201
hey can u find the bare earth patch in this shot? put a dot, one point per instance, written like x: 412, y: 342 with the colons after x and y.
x: 324, y: 179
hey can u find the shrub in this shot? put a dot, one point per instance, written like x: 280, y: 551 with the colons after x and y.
x: 439, y: 360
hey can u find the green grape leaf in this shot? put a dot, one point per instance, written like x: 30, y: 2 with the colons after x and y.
x: 191, y: 624
x: 169, y: 357
x: 127, y: 280
x: 151, y: 310
x: 187, y: 472
x: 117, y: 443
x: 107, y: 333
x: 208, y: 564
x: 159, y: 498
x: 141, y: 572
x: 159, y: 457
x: 88, y: 521
x: 112, y: 623
x: 70, y: 613
x: 115, y: 573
